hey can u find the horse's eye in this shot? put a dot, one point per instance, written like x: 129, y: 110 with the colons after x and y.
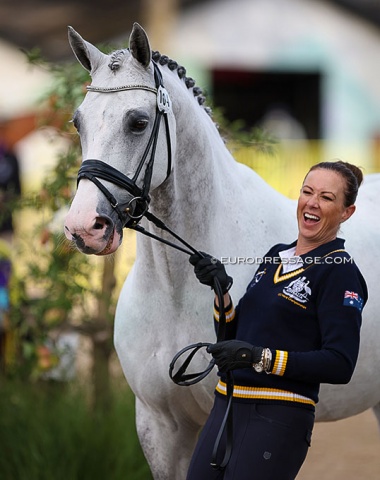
x: 136, y: 121
x: 139, y: 125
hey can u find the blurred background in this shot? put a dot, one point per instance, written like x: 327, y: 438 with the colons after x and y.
x: 304, y: 73
x: 305, y: 69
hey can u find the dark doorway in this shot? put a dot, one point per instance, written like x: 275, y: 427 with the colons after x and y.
x: 251, y: 95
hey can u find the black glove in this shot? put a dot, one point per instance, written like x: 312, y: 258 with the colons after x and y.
x: 208, y: 268
x: 234, y: 354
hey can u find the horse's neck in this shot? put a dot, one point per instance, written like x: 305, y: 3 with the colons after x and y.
x: 191, y: 201
x: 195, y: 194
x: 202, y: 165
x: 210, y: 203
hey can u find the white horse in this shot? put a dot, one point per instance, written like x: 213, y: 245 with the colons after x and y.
x: 217, y: 205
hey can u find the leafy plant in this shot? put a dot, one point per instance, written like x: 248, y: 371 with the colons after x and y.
x: 57, y: 289
x: 49, y: 432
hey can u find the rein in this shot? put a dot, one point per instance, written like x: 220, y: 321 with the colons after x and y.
x: 137, y: 208
x: 186, y: 379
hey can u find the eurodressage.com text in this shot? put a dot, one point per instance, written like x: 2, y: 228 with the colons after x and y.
x: 278, y: 261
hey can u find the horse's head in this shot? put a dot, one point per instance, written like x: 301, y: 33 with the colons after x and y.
x: 126, y: 126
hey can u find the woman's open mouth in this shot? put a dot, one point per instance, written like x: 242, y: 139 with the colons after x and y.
x: 310, y: 219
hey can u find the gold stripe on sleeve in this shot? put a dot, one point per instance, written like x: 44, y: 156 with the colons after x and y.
x: 280, y: 363
x: 230, y: 314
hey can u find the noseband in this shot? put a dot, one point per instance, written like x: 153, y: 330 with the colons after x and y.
x: 95, y: 169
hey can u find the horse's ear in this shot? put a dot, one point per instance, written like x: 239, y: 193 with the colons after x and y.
x: 139, y: 45
x: 87, y: 55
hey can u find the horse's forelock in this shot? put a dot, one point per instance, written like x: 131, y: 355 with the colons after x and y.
x: 117, y: 59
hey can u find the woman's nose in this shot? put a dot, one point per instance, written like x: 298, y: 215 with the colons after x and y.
x: 313, y: 201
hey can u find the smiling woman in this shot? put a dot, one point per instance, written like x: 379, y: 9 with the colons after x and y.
x: 304, y: 304
x: 326, y: 200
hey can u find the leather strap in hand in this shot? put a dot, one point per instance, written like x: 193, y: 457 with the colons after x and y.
x: 207, y: 268
x: 235, y: 354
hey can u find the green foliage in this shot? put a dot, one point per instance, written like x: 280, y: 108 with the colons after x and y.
x: 67, y: 89
x: 237, y: 133
x: 54, y: 286
x: 49, y: 432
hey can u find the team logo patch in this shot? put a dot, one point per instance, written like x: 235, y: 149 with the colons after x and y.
x: 298, y: 290
x: 257, y: 277
x: 352, y: 299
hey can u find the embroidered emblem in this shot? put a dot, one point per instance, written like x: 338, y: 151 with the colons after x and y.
x: 257, y: 277
x: 352, y: 299
x: 298, y: 290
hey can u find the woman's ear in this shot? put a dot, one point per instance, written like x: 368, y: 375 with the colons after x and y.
x: 348, y: 212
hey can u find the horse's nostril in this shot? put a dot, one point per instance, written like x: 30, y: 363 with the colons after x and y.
x: 100, y: 223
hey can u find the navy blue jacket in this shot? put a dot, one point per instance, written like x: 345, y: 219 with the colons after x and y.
x: 310, y: 319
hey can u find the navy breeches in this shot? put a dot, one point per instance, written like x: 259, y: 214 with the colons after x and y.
x: 270, y: 442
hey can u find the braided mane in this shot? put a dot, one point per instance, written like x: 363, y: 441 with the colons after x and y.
x: 181, y: 71
x: 118, y: 56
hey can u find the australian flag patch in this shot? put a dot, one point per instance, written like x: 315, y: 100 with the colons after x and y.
x: 352, y: 299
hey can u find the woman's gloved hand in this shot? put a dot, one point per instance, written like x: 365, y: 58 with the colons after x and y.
x: 234, y: 354
x: 208, y: 268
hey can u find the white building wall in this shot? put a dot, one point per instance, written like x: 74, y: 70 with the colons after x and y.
x: 21, y: 84
x: 292, y: 35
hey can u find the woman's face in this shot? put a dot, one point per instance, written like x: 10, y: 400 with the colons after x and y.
x: 320, y: 209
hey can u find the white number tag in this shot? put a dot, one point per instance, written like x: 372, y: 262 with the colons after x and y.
x: 163, y: 100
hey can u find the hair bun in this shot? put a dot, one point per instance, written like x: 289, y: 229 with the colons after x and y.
x: 355, y: 170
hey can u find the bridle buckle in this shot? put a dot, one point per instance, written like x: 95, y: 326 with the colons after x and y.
x: 136, y: 204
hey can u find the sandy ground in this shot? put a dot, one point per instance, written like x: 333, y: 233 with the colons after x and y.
x: 345, y: 450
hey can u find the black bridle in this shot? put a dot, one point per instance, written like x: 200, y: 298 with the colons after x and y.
x: 95, y: 169
x: 134, y: 211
